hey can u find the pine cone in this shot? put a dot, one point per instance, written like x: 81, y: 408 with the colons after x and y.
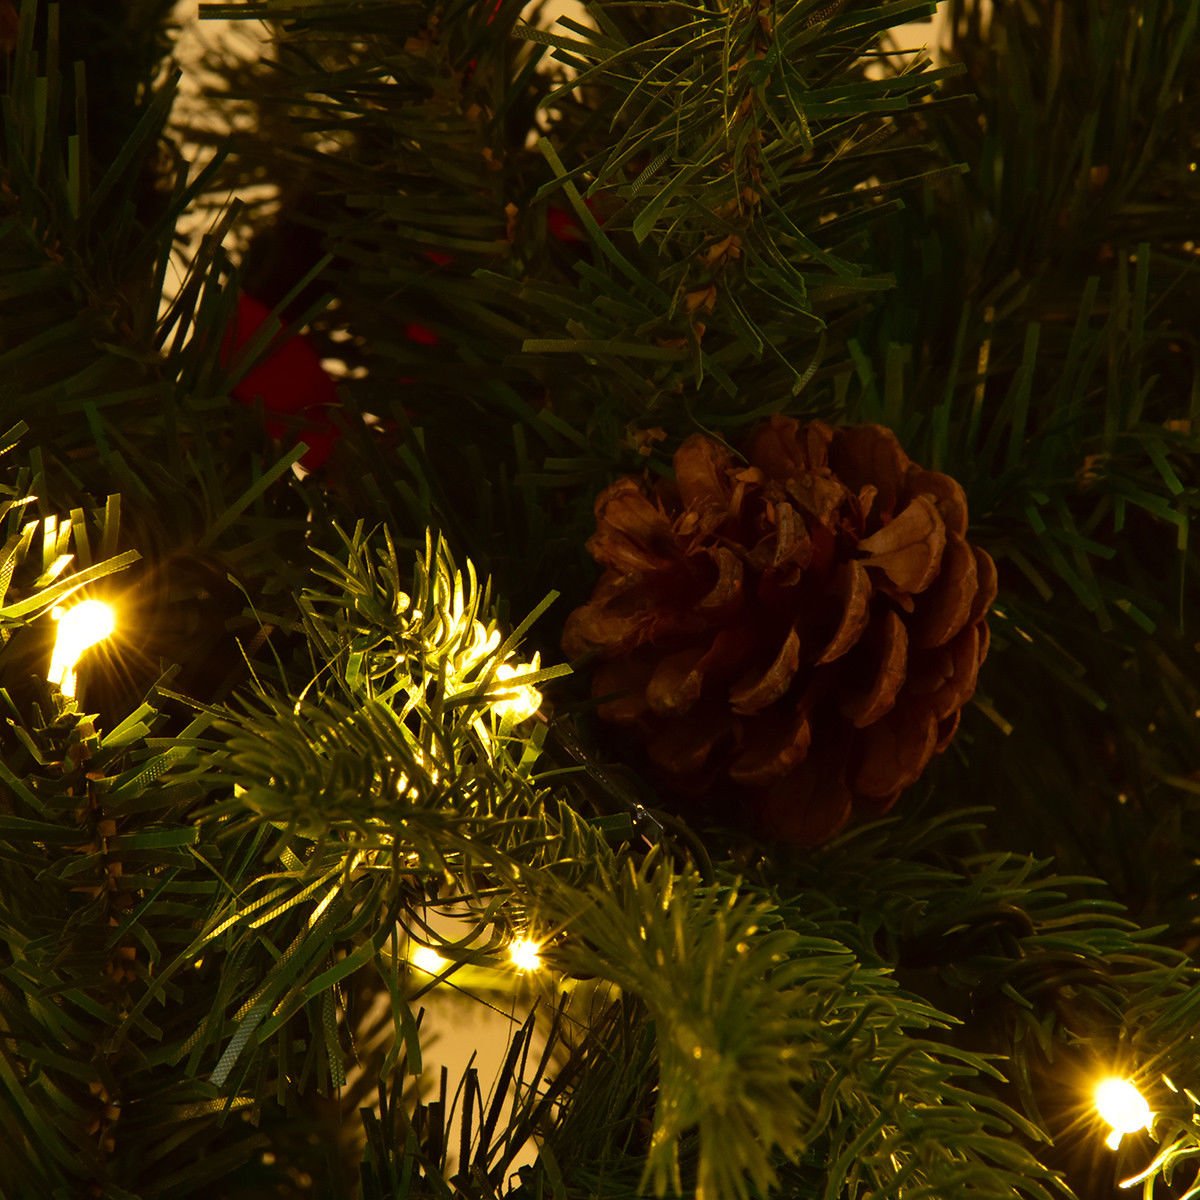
x: 799, y: 630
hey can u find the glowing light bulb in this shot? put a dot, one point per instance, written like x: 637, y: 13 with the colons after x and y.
x: 427, y: 959
x: 408, y: 788
x: 1123, y: 1107
x: 477, y: 643
x: 79, y: 627
x: 525, y: 954
x: 521, y: 701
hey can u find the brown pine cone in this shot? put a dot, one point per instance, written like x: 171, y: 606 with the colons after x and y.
x: 800, y: 629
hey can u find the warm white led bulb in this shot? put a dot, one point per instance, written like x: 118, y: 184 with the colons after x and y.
x: 522, y: 700
x: 79, y: 627
x: 1123, y: 1107
x: 525, y: 954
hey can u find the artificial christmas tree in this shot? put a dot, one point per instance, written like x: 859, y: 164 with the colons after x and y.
x: 319, y: 771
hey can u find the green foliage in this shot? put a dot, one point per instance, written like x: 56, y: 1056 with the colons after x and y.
x: 1039, y: 347
x: 775, y: 1043
x: 120, y: 391
x: 764, y: 209
x: 98, y: 878
x: 1177, y: 1130
x: 103, y: 873
x: 1036, y: 961
x: 404, y: 719
x: 769, y: 1078
x: 64, y: 543
x: 410, y: 1154
x: 727, y: 197
x: 725, y: 250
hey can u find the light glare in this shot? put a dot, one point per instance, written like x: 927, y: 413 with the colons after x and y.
x: 525, y: 954
x: 427, y: 959
x: 1123, y: 1107
x: 79, y: 627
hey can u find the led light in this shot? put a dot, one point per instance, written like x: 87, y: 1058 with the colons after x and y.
x: 521, y: 701
x: 407, y: 787
x: 525, y: 954
x: 79, y: 627
x: 1123, y: 1107
x: 477, y: 643
x: 426, y: 959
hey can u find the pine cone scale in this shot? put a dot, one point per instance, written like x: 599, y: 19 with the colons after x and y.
x: 870, y: 456
x: 676, y: 683
x: 894, y: 751
x: 772, y: 753
x: 631, y: 533
x: 945, y: 492
x: 890, y: 661
x: 987, y: 585
x: 753, y: 694
x: 619, y: 688
x: 701, y: 475
x: 726, y: 593
x: 950, y: 601
x: 681, y: 746
x: 811, y: 804
x: 908, y: 550
x: 856, y: 597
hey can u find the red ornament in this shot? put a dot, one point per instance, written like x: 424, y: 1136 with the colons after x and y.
x: 289, y: 381
x: 563, y: 225
x: 420, y: 334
